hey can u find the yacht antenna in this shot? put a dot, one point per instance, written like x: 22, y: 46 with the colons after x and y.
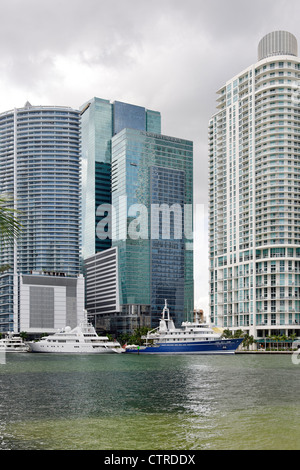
x: 166, y: 310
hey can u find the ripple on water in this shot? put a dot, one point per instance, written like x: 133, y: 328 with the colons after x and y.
x: 112, y: 402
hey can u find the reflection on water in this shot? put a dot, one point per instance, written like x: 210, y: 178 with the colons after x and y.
x: 145, y: 402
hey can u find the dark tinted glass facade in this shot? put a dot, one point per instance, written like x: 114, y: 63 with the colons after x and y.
x: 128, y: 115
x: 154, y: 262
x: 102, y: 196
x: 167, y: 187
x: 100, y: 121
x: 96, y: 133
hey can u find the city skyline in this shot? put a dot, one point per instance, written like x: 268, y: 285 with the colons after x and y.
x: 195, y: 49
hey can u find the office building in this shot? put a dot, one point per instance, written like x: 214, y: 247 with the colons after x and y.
x: 40, y: 171
x: 152, y: 198
x: 254, y: 195
x: 102, y: 289
x: 103, y: 296
x: 126, y: 161
x: 100, y: 121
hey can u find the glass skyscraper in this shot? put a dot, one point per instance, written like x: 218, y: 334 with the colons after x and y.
x: 126, y: 161
x: 254, y: 189
x: 152, y: 197
x: 100, y: 121
x: 40, y: 171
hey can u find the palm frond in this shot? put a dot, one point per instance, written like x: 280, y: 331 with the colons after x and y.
x: 10, y: 226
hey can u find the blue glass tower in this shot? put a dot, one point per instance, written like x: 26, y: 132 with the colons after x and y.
x: 127, y: 162
x: 100, y: 121
x: 167, y: 187
x: 152, y: 195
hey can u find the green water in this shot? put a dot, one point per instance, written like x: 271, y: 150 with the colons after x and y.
x: 128, y: 402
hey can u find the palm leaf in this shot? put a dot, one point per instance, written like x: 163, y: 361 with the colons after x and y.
x: 10, y: 226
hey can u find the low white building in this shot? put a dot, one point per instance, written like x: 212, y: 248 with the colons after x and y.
x: 48, y: 302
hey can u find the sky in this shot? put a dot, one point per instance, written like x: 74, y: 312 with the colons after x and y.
x: 167, y: 55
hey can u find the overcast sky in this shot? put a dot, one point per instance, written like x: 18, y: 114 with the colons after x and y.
x: 166, y: 55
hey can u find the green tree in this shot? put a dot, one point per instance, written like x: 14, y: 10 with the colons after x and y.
x: 293, y: 336
x: 277, y: 339
x: 238, y: 334
x: 123, y: 338
x: 10, y: 226
x: 227, y: 334
x: 248, y: 340
x: 136, y: 337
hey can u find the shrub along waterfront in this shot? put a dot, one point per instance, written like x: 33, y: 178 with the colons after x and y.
x: 269, y: 343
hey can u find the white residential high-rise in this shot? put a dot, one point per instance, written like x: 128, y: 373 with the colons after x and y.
x: 40, y: 172
x: 254, y: 195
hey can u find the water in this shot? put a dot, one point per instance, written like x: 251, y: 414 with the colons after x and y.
x: 136, y: 402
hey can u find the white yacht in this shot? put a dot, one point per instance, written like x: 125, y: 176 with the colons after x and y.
x: 81, y: 339
x: 12, y: 343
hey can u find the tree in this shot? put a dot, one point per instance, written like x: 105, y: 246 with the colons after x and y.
x: 227, y: 334
x: 248, y: 340
x: 24, y: 335
x: 238, y: 334
x: 10, y: 226
x: 293, y: 336
x: 4, y: 268
x: 277, y: 338
x: 136, y: 338
x: 124, y: 338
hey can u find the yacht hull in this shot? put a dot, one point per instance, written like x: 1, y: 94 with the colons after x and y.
x: 13, y: 350
x: 204, y: 347
x: 84, y: 349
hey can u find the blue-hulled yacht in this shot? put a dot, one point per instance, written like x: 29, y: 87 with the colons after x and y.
x: 191, y: 338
